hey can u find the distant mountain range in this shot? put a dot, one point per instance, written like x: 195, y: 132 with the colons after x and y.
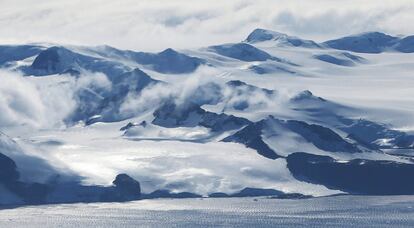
x: 370, y: 42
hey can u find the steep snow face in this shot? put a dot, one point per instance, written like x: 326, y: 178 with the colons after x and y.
x: 405, y: 45
x: 259, y: 35
x: 372, y: 42
x: 56, y: 60
x: 242, y: 51
x: 280, y: 39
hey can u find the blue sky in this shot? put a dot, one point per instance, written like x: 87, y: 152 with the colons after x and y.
x: 158, y: 24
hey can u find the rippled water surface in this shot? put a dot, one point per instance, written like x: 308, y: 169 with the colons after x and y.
x: 340, y: 211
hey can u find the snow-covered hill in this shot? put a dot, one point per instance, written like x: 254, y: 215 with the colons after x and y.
x: 272, y: 112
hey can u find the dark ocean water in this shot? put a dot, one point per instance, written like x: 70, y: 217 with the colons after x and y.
x: 339, y: 211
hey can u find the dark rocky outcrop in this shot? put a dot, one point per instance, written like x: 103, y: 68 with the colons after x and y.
x: 218, y: 195
x: 8, y: 170
x: 191, y: 115
x: 30, y: 193
x: 270, y: 69
x: 126, y: 187
x: 242, y: 51
x: 405, y: 45
x: 251, y: 137
x: 253, y: 192
x: 322, y: 137
x: 130, y: 125
x: 358, y: 176
x: 292, y: 196
x: 167, y: 194
x: 260, y: 192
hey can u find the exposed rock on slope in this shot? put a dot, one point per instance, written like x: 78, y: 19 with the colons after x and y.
x: 321, y: 137
x: 243, y: 52
x: 168, y: 61
x: 358, y: 176
x: 372, y: 42
x: 191, y: 115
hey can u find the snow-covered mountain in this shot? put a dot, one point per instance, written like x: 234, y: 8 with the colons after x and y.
x: 274, y: 113
x: 369, y: 42
x: 279, y: 39
x: 372, y: 42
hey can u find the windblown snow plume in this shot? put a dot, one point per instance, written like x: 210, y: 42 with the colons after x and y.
x: 27, y: 101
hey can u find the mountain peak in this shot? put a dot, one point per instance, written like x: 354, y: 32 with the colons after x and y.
x: 368, y: 42
x: 54, y: 59
x: 169, y: 51
x: 281, y: 39
x: 374, y: 34
x: 241, y: 51
x: 259, y: 35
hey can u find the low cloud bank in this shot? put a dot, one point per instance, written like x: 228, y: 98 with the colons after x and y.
x: 43, y: 102
x: 144, y: 25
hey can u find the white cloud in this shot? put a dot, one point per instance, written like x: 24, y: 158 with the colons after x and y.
x: 158, y: 24
x: 43, y: 102
x: 23, y: 102
x: 180, y: 92
x: 94, y: 80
